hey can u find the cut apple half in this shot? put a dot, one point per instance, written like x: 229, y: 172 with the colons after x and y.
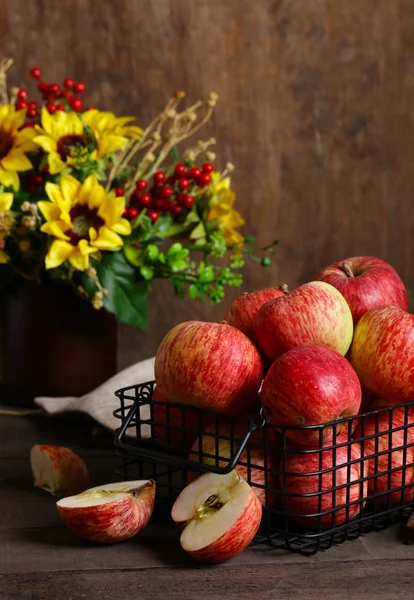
x: 219, y: 515
x: 110, y: 513
x: 58, y: 470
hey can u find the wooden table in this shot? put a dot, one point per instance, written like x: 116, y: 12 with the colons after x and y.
x: 41, y: 559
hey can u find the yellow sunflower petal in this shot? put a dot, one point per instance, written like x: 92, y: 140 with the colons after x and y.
x: 47, y: 143
x: 24, y: 140
x: 56, y: 229
x: 111, y: 143
x: 85, y: 249
x: 111, y: 209
x: 107, y: 239
x: 9, y: 179
x: 122, y: 226
x: 47, y: 121
x: 59, y: 251
x: 87, y: 190
x: 78, y: 260
x: 6, y: 201
x: 70, y: 187
x: 55, y: 194
x: 16, y: 161
x: 19, y: 118
x: 56, y: 164
x: 4, y: 258
x: 49, y: 210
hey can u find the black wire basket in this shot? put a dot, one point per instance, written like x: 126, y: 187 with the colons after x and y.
x: 356, y: 477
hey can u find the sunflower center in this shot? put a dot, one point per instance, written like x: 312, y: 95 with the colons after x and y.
x: 6, y: 143
x: 83, y: 218
x: 70, y: 145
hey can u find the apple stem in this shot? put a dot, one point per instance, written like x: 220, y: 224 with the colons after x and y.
x: 284, y: 288
x: 347, y: 269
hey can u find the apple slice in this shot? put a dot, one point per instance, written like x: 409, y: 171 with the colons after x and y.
x: 219, y: 514
x: 109, y: 513
x: 58, y: 470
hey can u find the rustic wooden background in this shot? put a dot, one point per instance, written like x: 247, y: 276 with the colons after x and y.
x: 316, y: 112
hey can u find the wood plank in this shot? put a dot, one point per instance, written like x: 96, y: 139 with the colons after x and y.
x: 351, y: 580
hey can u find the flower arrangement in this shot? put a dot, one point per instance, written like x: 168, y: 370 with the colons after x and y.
x: 93, y: 201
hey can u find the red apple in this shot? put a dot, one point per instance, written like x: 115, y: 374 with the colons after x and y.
x: 58, y: 470
x: 314, y: 313
x: 219, y: 514
x: 109, y: 513
x: 389, y: 443
x: 365, y: 282
x: 209, y: 365
x: 243, y: 310
x: 216, y: 449
x: 340, y: 484
x: 311, y: 385
x: 177, y: 427
x: 382, y: 353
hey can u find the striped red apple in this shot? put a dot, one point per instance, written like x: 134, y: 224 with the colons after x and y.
x: 109, y: 513
x: 209, y: 365
x: 365, y: 282
x: 219, y: 516
x: 58, y: 470
x: 311, y: 385
x: 314, y: 313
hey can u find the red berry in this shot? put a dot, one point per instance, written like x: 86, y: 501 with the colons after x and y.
x: 90, y: 107
x: 188, y: 201
x: 68, y: 83
x: 195, y: 172
x: 125, y: 212
x: 159, y: 177
x: 159, y: 203
x: 79, y: 87
x: 141, y: 184
x: 21, y: 105
x: 77, y: 104
x: 36, y: 73
x: 61, y: 107
x: 180, y: 170
x: 43, y: 87
x: 145, y: 200
x: 68, y: 95
x: 204, y: 179
x: 54, y: 89
x: 166, y: 191
x: 51, y: 107
x: 183, y: 184
x: 32, y: 105
x: 31, y: 187
x: 179, y: 198
x: 32, y: 113
x: 38, y: 180
x: 22, y: 94
x: 153, y: 215
x: 28, y: 125
x: 176, y: 210
x: 208, y: 167
x: 46, y: 170
x: 132, y: 212
x: 119, y: 191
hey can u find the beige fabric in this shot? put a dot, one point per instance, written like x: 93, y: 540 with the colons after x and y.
x: 101, y: 402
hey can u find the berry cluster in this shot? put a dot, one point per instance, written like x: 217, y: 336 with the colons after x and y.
x: 55, y: 97
x: 173, y: 193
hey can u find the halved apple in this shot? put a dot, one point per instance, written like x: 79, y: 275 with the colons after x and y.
x: 109, y: 513
x: 219, y: 514
x: 58, y: 470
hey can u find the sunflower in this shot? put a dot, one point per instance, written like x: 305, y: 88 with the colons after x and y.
x: 83, y: 219
x: 6, y: 201
x: 13, y: 145
x: 69, y: 138
x: 222, y: 211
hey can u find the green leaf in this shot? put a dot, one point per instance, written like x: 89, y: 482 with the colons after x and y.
x: 266, y: 261
x: 198, y: 232
x: 147, y: 272
x: 152, y: 252
x: 193, y: 291
x: 134, y: 255
x: 127, y: 295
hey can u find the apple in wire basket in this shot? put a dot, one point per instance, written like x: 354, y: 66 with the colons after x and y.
x: 209, y: 365
x: 219, y: 516
x: 109, y: 513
